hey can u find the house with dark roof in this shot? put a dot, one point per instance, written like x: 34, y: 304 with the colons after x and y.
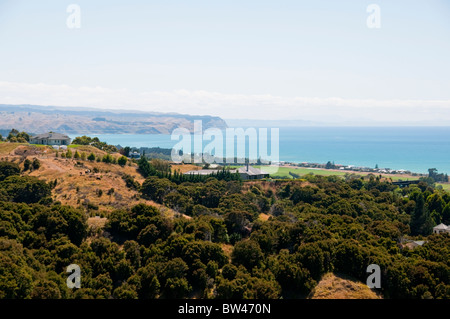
x: 205, y: 172
x: 51, y: 138
x: 250, y: 172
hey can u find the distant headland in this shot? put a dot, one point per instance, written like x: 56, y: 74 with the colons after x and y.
x: 77, y: 120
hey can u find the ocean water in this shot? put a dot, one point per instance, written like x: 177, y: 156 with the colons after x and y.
x: 410, y: 148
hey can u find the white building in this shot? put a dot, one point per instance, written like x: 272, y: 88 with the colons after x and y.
x: 441, y: 228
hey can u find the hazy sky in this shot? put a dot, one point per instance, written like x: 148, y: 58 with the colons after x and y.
x: 278, y: 59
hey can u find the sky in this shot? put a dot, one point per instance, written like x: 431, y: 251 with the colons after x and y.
x: 238, y: 59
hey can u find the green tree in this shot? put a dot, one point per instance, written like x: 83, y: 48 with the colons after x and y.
x: 125, y: 291
x: 107, y: 158
x: 435, y: 205
x: 146, y: 281
x: 145, y: 168
x: 15, y: 136
x: 91, y: 157
x: 82, y: 140
x: 247, y: 253
x: 125, y: 151
x: 8, y: 169
x: 16, y: 281
x: 132, y: 253
x: 290, y: 274
x: 62, y: 220
x: 173, y: 279
x: 302, y: 194
x: 421, y: 223
x: 157, y: 188
x: 36, y: 164
x: 86, y: 140
x: 45, y: 289
x: 130, y: 182
x: 446, y: 214
x: 25, y: 189
x: 122, y: 161
x: 26, y: 165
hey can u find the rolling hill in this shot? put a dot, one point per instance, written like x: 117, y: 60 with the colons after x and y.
x: 40, y: 119
x: 81, y: 183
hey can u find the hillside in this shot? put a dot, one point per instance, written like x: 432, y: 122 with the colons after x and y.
x: 79, y: 183
x: 333, y: 286
x: 215, y: 238
x: 40, y: 119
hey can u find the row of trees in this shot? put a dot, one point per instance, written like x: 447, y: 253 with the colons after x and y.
x: 94, y: 141
x: 15, y: 136
x: 437, y: 177
x: 106, y: 158
x: 162, y: 169
x: 26, y: 189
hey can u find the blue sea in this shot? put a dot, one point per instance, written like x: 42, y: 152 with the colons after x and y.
x: 411, y: 148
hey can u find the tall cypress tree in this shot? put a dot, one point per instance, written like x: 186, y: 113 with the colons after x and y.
x: 421, y: 223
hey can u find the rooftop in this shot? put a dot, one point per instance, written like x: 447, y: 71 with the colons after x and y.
x: 441, y: 227
x: 250, y: 170
x: 203, y: 172
x: 51, y: 136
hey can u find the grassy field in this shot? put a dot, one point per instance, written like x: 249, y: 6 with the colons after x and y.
x: 283, y: 172
x: 446, y: 187
x: 5, y: 148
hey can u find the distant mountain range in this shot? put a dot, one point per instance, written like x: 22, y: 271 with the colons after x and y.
x: 72, y: 120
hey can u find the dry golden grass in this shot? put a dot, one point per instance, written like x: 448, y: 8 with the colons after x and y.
x: 97, y: 222
x: 227, y: 250
x: 7, y: 148
x: 333, y: 286
x: 263, y: 185
x: 183, y: 168
x: 78, y: 185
